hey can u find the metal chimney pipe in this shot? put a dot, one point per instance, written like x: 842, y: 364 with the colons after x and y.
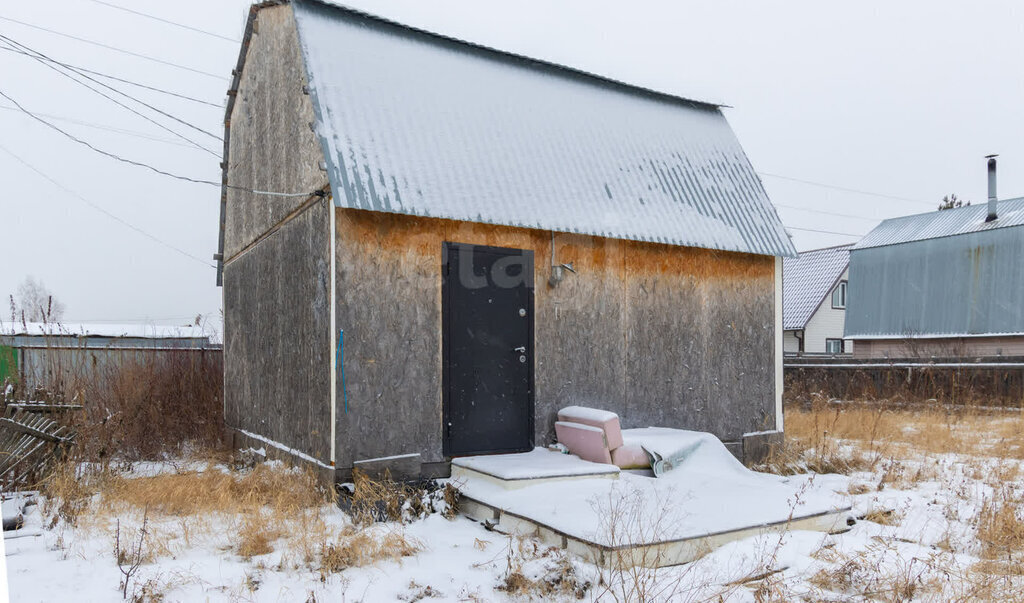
x: 992, y: 199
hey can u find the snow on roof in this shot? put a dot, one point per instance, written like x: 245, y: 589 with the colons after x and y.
x: 944, y: 223
x: 418, y: 124
x: 807, y: 279
x: 149, y: 331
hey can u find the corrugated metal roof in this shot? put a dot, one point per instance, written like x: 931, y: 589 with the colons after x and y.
x: 945, y: 223
x: 971, y: 284
x: 529, y: 59
x: 418, y: 124
x: 807, y: 279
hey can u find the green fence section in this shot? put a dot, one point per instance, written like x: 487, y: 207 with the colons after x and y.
x: 8, y: 363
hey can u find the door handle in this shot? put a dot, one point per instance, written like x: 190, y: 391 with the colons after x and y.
x: 521, y: 349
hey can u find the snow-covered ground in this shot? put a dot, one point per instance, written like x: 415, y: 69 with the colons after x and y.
x: 919, y: 541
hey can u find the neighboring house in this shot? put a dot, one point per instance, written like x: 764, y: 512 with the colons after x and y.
x: 815, y: 289
x: 54, y: 356
x: 945, y: 284
x: 480, y: 239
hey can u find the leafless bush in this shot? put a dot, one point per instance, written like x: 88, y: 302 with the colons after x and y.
x: 130, y: 559
x: 151, y: 406
x: 640, y: 573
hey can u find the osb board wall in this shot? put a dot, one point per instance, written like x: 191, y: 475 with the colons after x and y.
x: 270, y: 126
x: 277, y: 344
x: 662, y: 335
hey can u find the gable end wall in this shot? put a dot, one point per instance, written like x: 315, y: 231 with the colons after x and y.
x: 277, y: 345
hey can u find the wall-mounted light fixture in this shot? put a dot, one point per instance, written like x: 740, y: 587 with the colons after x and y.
x: 558, y: 273
x: 557, y: 270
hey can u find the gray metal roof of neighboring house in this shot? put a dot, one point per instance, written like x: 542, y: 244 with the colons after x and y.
x: 807, y: 279
x: 415, y: 123
x: 36, y: 334
x: 945, y: 223
x: 139, y: 330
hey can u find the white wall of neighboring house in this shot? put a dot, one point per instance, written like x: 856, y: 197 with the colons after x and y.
x: 826, y: 323
x: 790, y: 344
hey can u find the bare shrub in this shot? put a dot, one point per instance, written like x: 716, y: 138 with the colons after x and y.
x: 646, y: 573
x: 130, y: 559
x: 152, y: 406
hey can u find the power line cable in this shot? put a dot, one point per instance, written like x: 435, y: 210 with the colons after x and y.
x: 845, y: 234
x: 46, y: 60
x: 88, y: 124
x: 125, y: 81
x: 149, y: 167
x: 102, y: 210
x: 845, y: 189
x: 119, y: 103
x: 167, y: 21
x: 115, y: 49
x: 827, y: 213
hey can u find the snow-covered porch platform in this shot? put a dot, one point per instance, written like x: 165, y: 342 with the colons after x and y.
x: 702, y: 499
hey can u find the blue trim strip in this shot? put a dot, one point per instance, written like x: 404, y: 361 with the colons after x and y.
x: 341, y: 364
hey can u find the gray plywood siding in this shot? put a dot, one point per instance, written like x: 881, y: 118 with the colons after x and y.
x: 277, y: 345
x: 272, y: 146
x: 662, y: 335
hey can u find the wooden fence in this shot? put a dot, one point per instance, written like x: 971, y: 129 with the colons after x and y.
x: 992, y: 381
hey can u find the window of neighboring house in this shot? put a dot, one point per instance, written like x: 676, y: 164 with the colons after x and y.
x: 839, y: 296
x: 833, y: 346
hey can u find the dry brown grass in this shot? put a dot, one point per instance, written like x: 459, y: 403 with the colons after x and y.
x: 883, y: 517
x: 282, y: 490
x: 1001, y: 532
x: 844, y: 438
x: 556, y: 576
x: 256, y: 536
x: 70, y: 489
x: 361, y: 547
x: 66, y: 493
x: 383, y: 499
x: 251, y: 513
x: 251, y: 509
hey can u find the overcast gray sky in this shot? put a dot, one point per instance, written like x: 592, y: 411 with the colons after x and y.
x: 899, y: 99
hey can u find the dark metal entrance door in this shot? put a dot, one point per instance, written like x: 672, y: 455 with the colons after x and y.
x: 487, y: 349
